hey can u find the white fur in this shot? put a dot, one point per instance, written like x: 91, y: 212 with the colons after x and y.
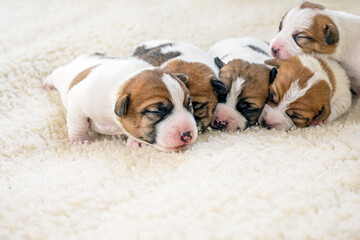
x: 348, y: 48
x: 237, y: 48
x: 189, y: 53
x: 340, y: 100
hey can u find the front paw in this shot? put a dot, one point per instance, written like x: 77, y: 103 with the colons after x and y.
x: 80, y: 140
x: 133, y: 143
x: 316, y: 123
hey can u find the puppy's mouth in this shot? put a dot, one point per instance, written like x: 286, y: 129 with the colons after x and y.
x: 170, y: 149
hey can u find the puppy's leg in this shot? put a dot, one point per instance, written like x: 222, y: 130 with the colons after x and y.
x: 78, y: 125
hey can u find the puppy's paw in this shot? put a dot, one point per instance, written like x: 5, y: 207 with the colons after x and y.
x: 80, y: 140
x: 133, y: 143
x: 48, y: 86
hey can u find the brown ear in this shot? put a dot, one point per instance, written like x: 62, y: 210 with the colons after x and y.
x: 331, y: 34
x: 274, y: 62
x: 122, y: 105
x: 324, y: 113
x: 182, y: 77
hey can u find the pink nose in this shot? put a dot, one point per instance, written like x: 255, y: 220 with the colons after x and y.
x: 275, y: 52
x: 186, y: 136
x: 263, y: 123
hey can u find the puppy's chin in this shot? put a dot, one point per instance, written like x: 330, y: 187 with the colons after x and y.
x: 170, y: 149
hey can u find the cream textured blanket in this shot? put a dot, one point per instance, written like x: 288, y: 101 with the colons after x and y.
x: 256, y: 184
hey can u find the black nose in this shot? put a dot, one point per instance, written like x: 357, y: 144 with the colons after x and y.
x: 275, y: 52
x: 186, y: 136
x: 220, y: 124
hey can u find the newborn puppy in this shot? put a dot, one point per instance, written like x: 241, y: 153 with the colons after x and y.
x: 125, y: 96
x: 312, y: 28
x: 308, y: 89
x: 242, y: 68
x: 177, y: 57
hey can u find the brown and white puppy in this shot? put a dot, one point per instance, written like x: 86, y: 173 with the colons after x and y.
x: 116, y: 96
x: 242, y: 68
x: 308, y: 89
x: 179, y: 57
x: 312, y: 28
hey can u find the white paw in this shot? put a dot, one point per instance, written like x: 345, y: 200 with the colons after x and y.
x: 133, y: 143
x: 80, y: 140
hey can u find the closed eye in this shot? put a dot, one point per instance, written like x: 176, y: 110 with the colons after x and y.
x: 200, y: 109
x: 156, y: 112
x: 301, y: 38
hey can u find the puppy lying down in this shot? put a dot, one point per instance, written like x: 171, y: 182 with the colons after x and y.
x: 178, y: 57
x: 308, y: 89
x: 125, y: 96
x: 242, y: 69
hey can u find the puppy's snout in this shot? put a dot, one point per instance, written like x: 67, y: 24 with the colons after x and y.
x: 186, y: 136
x: 275, y: 52
x: 220, y: 124
x: 263, y: 123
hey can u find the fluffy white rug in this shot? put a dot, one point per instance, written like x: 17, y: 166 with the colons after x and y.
x: 256, y: 184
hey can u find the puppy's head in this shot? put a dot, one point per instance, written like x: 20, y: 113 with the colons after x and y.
x: 299, y: 95
x: 248, y: 86
x: 305, y: 29
x: 155, y: 107
x: 204, y: 87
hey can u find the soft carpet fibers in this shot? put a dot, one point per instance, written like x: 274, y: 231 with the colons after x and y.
x: 256, y: 184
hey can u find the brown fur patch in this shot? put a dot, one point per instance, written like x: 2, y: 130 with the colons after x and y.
x: 154, y: 56
x: 321, y: 37
x: 313, y: 104
x: 81, y: 76
x: 148, y: 93
x: 312, y: 5
x: 254, y: 91
x: 201, y: 91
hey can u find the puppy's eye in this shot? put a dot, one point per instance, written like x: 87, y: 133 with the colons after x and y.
x: 156, y: 113
x: 200, y: 109
x: 301, y: 38
x: 271, y: 97
x: 243, y: 105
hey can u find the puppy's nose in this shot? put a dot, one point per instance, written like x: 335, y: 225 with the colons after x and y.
x: 275, y: 52
x: 220, y: 124
x: 186, y: 136
x: 265, y: 124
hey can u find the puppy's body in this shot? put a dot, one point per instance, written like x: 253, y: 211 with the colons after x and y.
x: 199, y: 67
x: 116, y: 96
x: 312, y: 28
x: 316, y: 91
x: 247, y: 78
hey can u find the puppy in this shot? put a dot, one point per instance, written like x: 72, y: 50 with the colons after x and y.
x: 178, y: 57
x: 242, y: 68
x: 312, y: 28
x: 116, y: 96
x: 313, y: 92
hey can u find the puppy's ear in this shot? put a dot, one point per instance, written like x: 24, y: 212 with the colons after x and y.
x: 274, y: 62
x: 122, y: 105
x: 218, y: 62
x: 324, y: 113
x: 331, y: 34
x: 272, y: 75
x: 218, y: 86
x: 182, y: 77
